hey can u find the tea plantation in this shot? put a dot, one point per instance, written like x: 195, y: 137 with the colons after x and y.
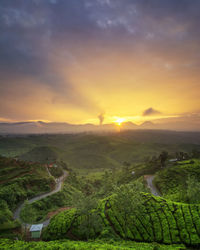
x: 171, y: 181
x: 161, y: 221
x: 91, y: 245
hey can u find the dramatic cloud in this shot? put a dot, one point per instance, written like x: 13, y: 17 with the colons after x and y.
x: 69, y: 60
x: 151, y: 111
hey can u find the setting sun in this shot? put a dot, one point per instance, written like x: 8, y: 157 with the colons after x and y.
x: 119, y: 121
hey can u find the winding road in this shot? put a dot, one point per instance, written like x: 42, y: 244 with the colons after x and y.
x: 59, y: 182
x: 151, y: 186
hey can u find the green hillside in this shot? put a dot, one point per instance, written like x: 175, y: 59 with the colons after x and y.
x: 63, y: 198
x: 98, y: 152
x: 172, y: 180
x: 92, y: 245
x: 161, y: 221
x: 19, y: 180
x: 89, y: 206
x: 41, y: 154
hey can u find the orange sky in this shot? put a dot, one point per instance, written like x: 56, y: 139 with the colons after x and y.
x: 99, y: 57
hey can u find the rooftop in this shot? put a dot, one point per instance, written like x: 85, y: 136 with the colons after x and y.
x: 37, y: 227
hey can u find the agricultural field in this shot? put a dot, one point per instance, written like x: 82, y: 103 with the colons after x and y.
x: 160, y: 221
x: 97, y: 152
x: 89, y: 205
x: 172, y: 180
x: 73, y: 245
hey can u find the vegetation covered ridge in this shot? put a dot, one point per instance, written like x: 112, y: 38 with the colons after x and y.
x: 19, y: 181
x: 182, y: 175
x: 158, y: 220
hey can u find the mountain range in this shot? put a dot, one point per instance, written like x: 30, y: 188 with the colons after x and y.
x: 40, y: 127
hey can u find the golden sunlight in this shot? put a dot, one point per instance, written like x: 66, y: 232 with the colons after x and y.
x: 119, y: 121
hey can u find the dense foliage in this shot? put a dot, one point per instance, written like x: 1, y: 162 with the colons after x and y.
x: 91, y: 245
x: 185, y: 175
x: 56, y: 171
x: 104, y: 200
x: 159, y: 221
x: 98, y: 152
x: 18, y: 181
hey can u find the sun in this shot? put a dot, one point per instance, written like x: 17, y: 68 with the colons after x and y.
x: 119, y: 121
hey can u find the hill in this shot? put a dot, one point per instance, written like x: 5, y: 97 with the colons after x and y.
x: 43, y: 154
x: 19, y: 180
x: 183, y: 175
x: 86, y: 152
x: 161, y: 221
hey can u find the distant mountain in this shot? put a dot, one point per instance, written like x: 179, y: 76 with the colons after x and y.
x: 148, y: 125
x: 187, y: 123
x: 129, y: 126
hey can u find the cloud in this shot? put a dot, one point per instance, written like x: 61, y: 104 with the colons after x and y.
x: 36, y: 37
x: 151, y: 111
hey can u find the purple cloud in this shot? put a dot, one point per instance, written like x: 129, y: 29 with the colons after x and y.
x: 151, y: 111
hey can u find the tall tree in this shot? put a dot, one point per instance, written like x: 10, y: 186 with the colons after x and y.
x: 193, y: 190
x: 129, y: 202
x: 163, y: 158
x: 90, y: 221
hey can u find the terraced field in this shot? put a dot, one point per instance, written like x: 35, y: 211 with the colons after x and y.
x: 161, y: 221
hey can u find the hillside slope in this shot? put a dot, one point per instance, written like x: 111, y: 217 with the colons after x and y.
x: 162, y: 221
x: 171, y: 181
x: 20, y: 180
x: 43, y: 154
x: 90, y: 151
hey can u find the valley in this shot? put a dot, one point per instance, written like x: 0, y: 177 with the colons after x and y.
x: 121, y: 187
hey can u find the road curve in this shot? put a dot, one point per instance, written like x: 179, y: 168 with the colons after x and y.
x: 151, y: 186
x: 16, y: 214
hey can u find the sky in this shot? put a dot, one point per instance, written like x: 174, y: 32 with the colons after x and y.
x: 91, y: 61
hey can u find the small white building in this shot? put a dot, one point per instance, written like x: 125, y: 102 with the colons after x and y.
x: 173, y: 160
x: 36, y: 231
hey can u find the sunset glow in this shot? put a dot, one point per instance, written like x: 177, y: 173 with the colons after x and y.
x: 119, y: 121
x: 74, y: 60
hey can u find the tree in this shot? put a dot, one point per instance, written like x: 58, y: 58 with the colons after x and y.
x: 193, y: 190
x: 108, y: 183
x: 90, y: 220
x: 129, y: 202
x: 163, y: 157
x: 27, y: 214
x: 195, y: 153
x: 182, y: 156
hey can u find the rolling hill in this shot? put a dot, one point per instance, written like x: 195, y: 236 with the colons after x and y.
x: 105, y: 151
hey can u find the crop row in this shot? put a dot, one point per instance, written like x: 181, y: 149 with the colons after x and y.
x: 161, y: 221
